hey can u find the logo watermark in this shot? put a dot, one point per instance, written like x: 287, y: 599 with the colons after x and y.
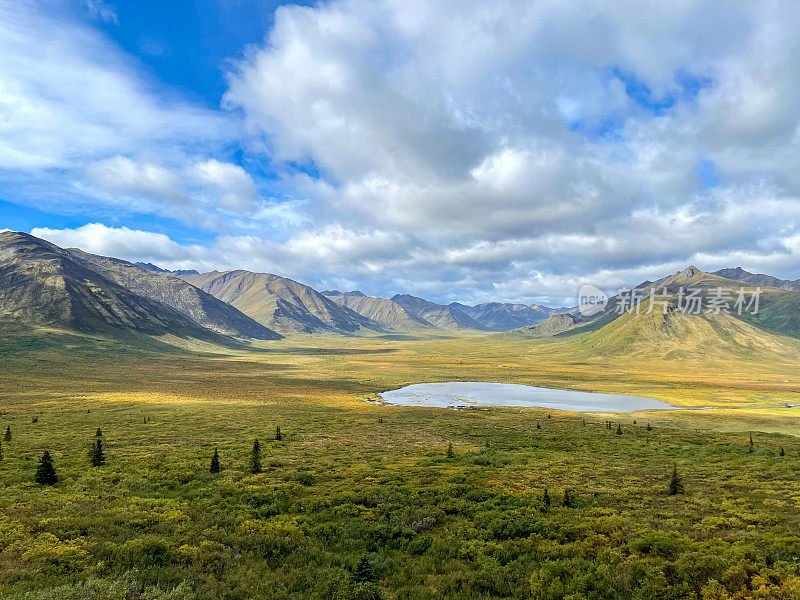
x: 693, y: 301
x: 591, y: 300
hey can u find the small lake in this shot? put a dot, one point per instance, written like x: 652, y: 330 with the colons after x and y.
x: 466, y: 394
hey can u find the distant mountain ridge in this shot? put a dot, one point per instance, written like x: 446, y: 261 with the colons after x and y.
x: 503, y: 316
x: 282, y: 304
x: 758, y: 279
x: 43, y: 285
x: 438, y: 315
x: 381, y: 310
x: 156, y: 269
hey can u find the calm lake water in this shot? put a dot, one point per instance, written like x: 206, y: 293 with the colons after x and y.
x: 463, y: 394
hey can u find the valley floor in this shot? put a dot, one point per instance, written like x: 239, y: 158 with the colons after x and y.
x: 360, y: 500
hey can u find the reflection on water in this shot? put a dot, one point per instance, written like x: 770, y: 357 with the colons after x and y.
x: 465, y: 394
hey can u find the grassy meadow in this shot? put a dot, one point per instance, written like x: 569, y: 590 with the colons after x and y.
x: 362, y: 501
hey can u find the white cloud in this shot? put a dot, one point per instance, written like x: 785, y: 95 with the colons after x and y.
x: 101, y: 11
x: 460, y: 149
x: 67, y: 95
x: 230, y: 184
x: 121, y: 174
x: 120, y: 242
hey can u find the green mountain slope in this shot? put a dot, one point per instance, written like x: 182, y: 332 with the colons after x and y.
x: 552, y: 326
x: 680, y: 335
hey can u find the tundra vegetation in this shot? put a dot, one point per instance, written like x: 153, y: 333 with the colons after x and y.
x: 357, y: 500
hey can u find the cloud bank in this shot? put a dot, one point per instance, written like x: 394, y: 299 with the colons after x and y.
x: 460, y: 150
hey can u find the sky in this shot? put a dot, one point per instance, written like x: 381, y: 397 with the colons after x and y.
x: 451, y: 149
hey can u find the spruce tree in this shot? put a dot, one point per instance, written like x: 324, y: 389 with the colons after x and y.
x: 98, y: 433
x: 649, y: 427
x: 538, y: 426
x: 546, y: 500
x: 675, y: 484
x: 450, y: 453
x: 619, y: 429
x: 255, y: 458
x: 7, y: 437
x: 278, y: 434
x: 567, y: 500
x: 782, y: 452
x: 365, y: 571
x: 215, y: 462
x: 96, y: 455
x: 45, y: 471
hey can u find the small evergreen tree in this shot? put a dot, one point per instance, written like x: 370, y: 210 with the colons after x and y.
x: 619, y: 429
x: 450, y: 453
x: 782, y: 452
x: 750, y: 449
x: 546, y: 500
x: 98, y: 433
x: 548, y: 416
x: 649, y: 427
x: 255, y: 458
x: 567, y: 502
x: 7, y: 437
x: 96, y: 455
x: 45, y: 471
x: 278, y: 434
x: 35, y: 420
x: 675, y: 483
x: 634, y: 421
x: 365, y: 570
x: 215, y: 462
x: 538, y: 426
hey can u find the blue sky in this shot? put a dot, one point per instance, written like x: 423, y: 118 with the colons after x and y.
x: 454, y: 150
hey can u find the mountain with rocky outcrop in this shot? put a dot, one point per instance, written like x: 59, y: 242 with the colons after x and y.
x: 438, y: 315
x: 381, y: 310
x: 43, y: 285
x: 282, y: 304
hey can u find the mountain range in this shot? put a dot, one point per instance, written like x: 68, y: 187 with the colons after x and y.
x: 45, y: 286
x: 631, y: 327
